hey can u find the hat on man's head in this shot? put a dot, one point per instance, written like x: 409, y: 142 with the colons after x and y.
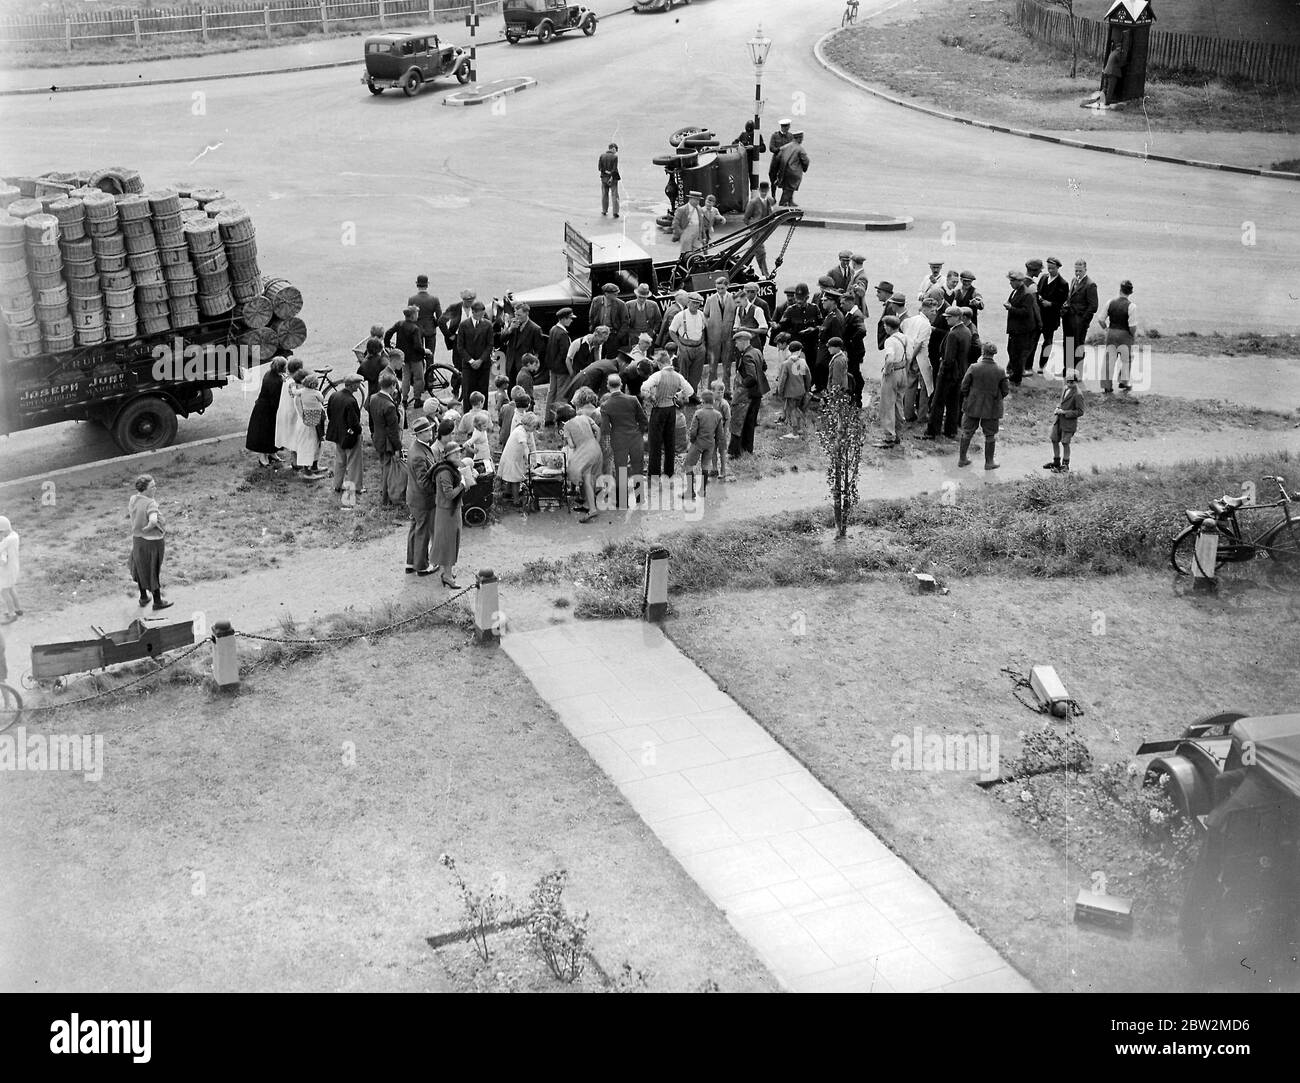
x: 858, y: 257
x: 764, y: 184
x: 801, y: 290
x: 789, y: 291
x: 564, y: 314
x: 697, y: 195
x: 935, y: 264
x: 610, y: 287
x: 695, y: 297
x: 785, y: 122
x: 887, y: 287
x: 953, y: 312
x: 798, y: 131
x: 898, y: 299
x: 741, y: 334
x: 845, y: 254
x: 421, y: 425
x: 643, y: 290
x: 825, y: 280
x: 352, y: 379
x: 968, y: 276
x: 1034, y: 265
x: 1052, y: 261
x: 421, y: 280
x: 1017, y: 276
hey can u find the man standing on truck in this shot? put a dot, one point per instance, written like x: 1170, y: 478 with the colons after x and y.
x: 688, y: 223
x: 410, y: 340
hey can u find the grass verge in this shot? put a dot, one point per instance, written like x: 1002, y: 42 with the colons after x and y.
x: 1045, y: 527
x: 942, y: 56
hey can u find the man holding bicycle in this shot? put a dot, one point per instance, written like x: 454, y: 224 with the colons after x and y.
x: 410, y: 340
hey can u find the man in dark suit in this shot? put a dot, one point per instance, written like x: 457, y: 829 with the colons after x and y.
x: 1080, y: 307
x: 946, y: 404
x: 343, y: 430
x: 1023, y: 323
x: 800, y: 319
x: 556, y: 361
x: 474, y: 339
x: 643, y: 315
x: 420, y: 461
x: 386, y: 436
x: 623, y: 420
x: 967, y: 296
x: 832, y: 326
x: 982, y: 390
x: 430, y: 312
x: 891, y: 304
x: 1053, y: 292
x: 521, y: 336
x: 854, y: 335
x: 842, y: 273
x: 451, y: 320
x: 607, y: 165
x: 594, y: 376
x: 609, y: 310
x: 410, y: 340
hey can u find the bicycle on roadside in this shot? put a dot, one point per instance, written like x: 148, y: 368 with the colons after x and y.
x: 1279, y: 542
x: 850, y: 13
x: 11, y: 707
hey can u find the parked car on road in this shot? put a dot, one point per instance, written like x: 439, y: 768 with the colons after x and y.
x: 545, y: 19
x: 409, y: 61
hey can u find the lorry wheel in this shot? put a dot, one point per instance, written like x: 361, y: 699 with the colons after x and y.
x: 411, y: 84
x: 145, y: 425
x: 545, y: 32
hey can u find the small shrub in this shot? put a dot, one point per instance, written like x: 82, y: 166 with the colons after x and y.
x: 1051, y: 749
x: 481, y: 908
x: 561, y: 938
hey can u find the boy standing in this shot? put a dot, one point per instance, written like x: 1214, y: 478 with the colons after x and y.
x: 705, y: 432
x: 1065, y: 423
x: 793, y: 380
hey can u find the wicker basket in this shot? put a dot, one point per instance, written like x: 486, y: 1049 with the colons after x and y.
x: 285, y: 298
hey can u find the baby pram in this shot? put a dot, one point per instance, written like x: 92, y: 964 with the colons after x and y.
x: 477, y: 502
x: 546, y: 480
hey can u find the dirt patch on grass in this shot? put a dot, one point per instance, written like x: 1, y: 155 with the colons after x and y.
x: 288, y: 838
x: 971, y: 59
x: 1216, y: 345
x: 876, y: 660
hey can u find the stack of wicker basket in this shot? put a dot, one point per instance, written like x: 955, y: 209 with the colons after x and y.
x: 91, y: 257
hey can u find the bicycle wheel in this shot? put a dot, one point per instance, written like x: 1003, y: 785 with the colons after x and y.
x: 1282, y: 543
x: 11, y: 707
x: 1182, y: 554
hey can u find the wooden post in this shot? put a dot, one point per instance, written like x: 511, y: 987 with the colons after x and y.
x: 135, y: 26
x: 203, y: 23
x: 431, y: 10
x: 382, y: 23
x: 67, y: 33
x: 324, y: 19
x: 266, y: 20
x: 225, y: 659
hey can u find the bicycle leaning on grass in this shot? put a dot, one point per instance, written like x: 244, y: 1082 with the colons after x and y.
x: 1280, y: 542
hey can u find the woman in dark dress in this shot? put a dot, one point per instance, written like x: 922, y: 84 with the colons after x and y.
x: 449, y: 478
x: 261, y: 424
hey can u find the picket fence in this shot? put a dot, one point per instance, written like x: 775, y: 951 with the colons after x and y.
x: 1258, y: 61
x: 272, y: 18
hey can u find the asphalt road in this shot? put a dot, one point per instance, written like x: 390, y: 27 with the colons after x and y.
x: 354, y: 195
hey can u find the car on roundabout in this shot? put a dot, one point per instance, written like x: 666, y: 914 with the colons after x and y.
x: 642, y: 7
x: 407, y: 62
x: 545, y: 19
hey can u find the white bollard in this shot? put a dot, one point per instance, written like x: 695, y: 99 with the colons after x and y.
x: 487, y: 608
x: 225, y: 660
x: 654, y: 605
x: 1206, y: 555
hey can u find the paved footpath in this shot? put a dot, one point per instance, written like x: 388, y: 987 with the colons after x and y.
x: 825, y: 904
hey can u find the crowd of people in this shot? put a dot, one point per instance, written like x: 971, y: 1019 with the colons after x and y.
x: 648, y: 386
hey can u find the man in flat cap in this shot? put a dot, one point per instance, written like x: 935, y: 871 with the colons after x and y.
x: 842, y: 273
x: 930, y: 280
x: 749, y: 385
x: 858, y: 272
x: 1053, y: 291
x: 688, y: 223
x: 945, y: 407
x: 760, y: 205
x: 967, y: 296
x: 780, y: 138
x: 607, y: 165
x: 791, y: 164
x: 854, y: 335
x: 1023, y: 323
x: 609, y: 310
x: 343, y: 430
x: 420, y: 492
x: 886, y: 294
x: 689, y: 330
x: 982, y: 390
x: 555, y: 362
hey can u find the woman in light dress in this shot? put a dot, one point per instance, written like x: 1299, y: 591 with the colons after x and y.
x: 522, y: 442
x: 8, y: 573
x: 284, y: 414
x: 582, y: 441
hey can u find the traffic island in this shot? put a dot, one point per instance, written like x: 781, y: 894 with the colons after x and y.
x: 480, y: 93
x: 853, y: 220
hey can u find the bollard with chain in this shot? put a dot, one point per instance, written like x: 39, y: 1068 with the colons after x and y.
x: 225, y: 661
x: 487, y: 608
x: 654, y: 605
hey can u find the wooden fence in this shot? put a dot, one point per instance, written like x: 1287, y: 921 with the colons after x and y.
x: 1259, y: 61
x: 246, y: 18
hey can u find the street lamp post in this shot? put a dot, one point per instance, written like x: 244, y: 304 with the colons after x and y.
x: 758, y: 47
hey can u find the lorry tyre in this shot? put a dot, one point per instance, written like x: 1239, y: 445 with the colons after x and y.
x: 145, y: 425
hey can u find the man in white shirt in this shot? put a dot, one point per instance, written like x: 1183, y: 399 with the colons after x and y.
x: 690, y: 331
x: 662, y: 393
x: 893, y: 382
x: 916, y: 329
x: 751, y: 316
x: 931, y: 280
